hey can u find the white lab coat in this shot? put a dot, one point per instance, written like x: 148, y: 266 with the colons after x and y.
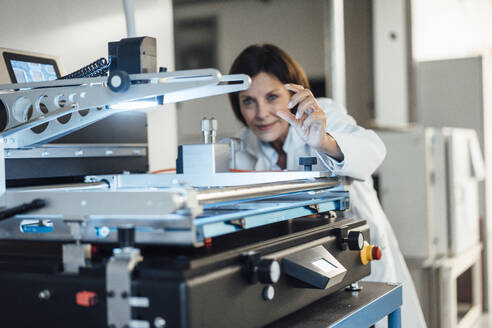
x: 363, y: 152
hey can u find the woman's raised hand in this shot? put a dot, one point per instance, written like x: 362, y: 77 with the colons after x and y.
x: 310, y: 121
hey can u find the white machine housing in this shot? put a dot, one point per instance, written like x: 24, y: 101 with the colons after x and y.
x: 429, y: 190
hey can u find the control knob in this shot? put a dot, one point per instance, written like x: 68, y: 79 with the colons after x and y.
x: 265, y: 271
x: 355, y: 240
x: 118, y: 81
x: 268, y: 271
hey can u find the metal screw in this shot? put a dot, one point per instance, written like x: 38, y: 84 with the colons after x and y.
x: 159, y: 322
x: 44, y: 294
x: 268, y: 293
x: 354, y: 287
x: 110, y: 293
x: 124, y: 294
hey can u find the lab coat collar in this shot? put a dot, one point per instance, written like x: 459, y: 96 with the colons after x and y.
x: 265, y: 155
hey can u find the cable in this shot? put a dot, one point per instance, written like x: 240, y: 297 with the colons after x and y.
x: 97, y: 68
x: 23, y: 208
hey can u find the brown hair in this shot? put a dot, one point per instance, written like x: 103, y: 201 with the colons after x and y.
x: 269, y: 59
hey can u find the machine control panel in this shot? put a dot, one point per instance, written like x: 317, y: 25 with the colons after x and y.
x: 314, y: 266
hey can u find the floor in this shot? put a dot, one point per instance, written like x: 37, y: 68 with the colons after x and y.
x: 484, y: 322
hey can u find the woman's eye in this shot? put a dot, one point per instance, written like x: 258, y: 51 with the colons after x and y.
x: 247, y: 101
x: 272, y: 97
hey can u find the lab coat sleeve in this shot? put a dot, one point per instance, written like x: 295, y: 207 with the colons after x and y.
x: 362, y: 149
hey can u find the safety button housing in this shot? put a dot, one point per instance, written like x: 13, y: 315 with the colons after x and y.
x: 369, y: 253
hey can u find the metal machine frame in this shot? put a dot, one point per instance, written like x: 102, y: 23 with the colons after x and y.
x: 170, y: 217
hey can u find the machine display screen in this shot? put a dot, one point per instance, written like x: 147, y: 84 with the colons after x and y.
x: 324, y: 265
x: 23, y: 68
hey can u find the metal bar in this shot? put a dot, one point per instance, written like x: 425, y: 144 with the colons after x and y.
x: 223, y: 179
x: 92, y: 93
x: 78, y: 150
x: 129, y: 18
x: 66, y: 187
x: 394, y: 319
x: 265, y: 210
x: 176, y: 76
x: 264, y: 189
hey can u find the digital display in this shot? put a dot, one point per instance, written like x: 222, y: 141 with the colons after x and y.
x: 32, y: 72
x: 24, y: 69
x: 324, y: 265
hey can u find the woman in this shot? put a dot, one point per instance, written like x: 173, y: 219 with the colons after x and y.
x: 283, y: 121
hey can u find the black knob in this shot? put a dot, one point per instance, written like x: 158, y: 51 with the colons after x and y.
x: 119, y: 81
x: 355, y: 240
x: 268, y: 271
x: 126, y: 236
x: 308, y: 162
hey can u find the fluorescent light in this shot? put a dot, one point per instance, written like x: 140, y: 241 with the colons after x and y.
x: 136, y: 104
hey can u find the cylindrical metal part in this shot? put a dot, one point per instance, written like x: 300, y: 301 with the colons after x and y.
x: 213, y: 130
x: 206, y: 137
x: 126, y: 236
x: 129, y: 17
x: 265, y: 189
x: 206, y: 130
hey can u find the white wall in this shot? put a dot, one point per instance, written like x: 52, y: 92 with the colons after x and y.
x: 296, y: 26
x: 78, y: 32
x: 451, y: 28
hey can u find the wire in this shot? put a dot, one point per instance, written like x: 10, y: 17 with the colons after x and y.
x: 162, y: 171
x: 97, y: 68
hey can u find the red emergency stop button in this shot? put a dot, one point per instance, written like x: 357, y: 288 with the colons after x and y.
x: 86, y: 298
x: 369, y: 253
x: 376, y: 253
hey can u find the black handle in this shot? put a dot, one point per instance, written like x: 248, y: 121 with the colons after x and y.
x: 23, y: 208
x: 126, y: 236
x: 308, y: 162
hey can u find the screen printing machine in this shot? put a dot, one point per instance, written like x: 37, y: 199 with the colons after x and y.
x: 84, y: 245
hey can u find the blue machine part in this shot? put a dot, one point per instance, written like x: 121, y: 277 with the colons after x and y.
x: 36, y: 229
x: 231, y: 216
x: 220, y: 219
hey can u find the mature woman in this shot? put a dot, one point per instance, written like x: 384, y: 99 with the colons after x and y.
x: 284, y: 121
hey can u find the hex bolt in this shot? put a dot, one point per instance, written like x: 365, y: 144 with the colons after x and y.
x: 159, y: 322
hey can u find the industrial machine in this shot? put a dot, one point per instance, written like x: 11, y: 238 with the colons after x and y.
x: 199, y: 248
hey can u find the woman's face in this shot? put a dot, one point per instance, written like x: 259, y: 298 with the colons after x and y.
x: 259, y: 105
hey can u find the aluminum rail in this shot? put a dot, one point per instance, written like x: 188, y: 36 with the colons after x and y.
x: 265, y: 189
x: 65, y: 187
